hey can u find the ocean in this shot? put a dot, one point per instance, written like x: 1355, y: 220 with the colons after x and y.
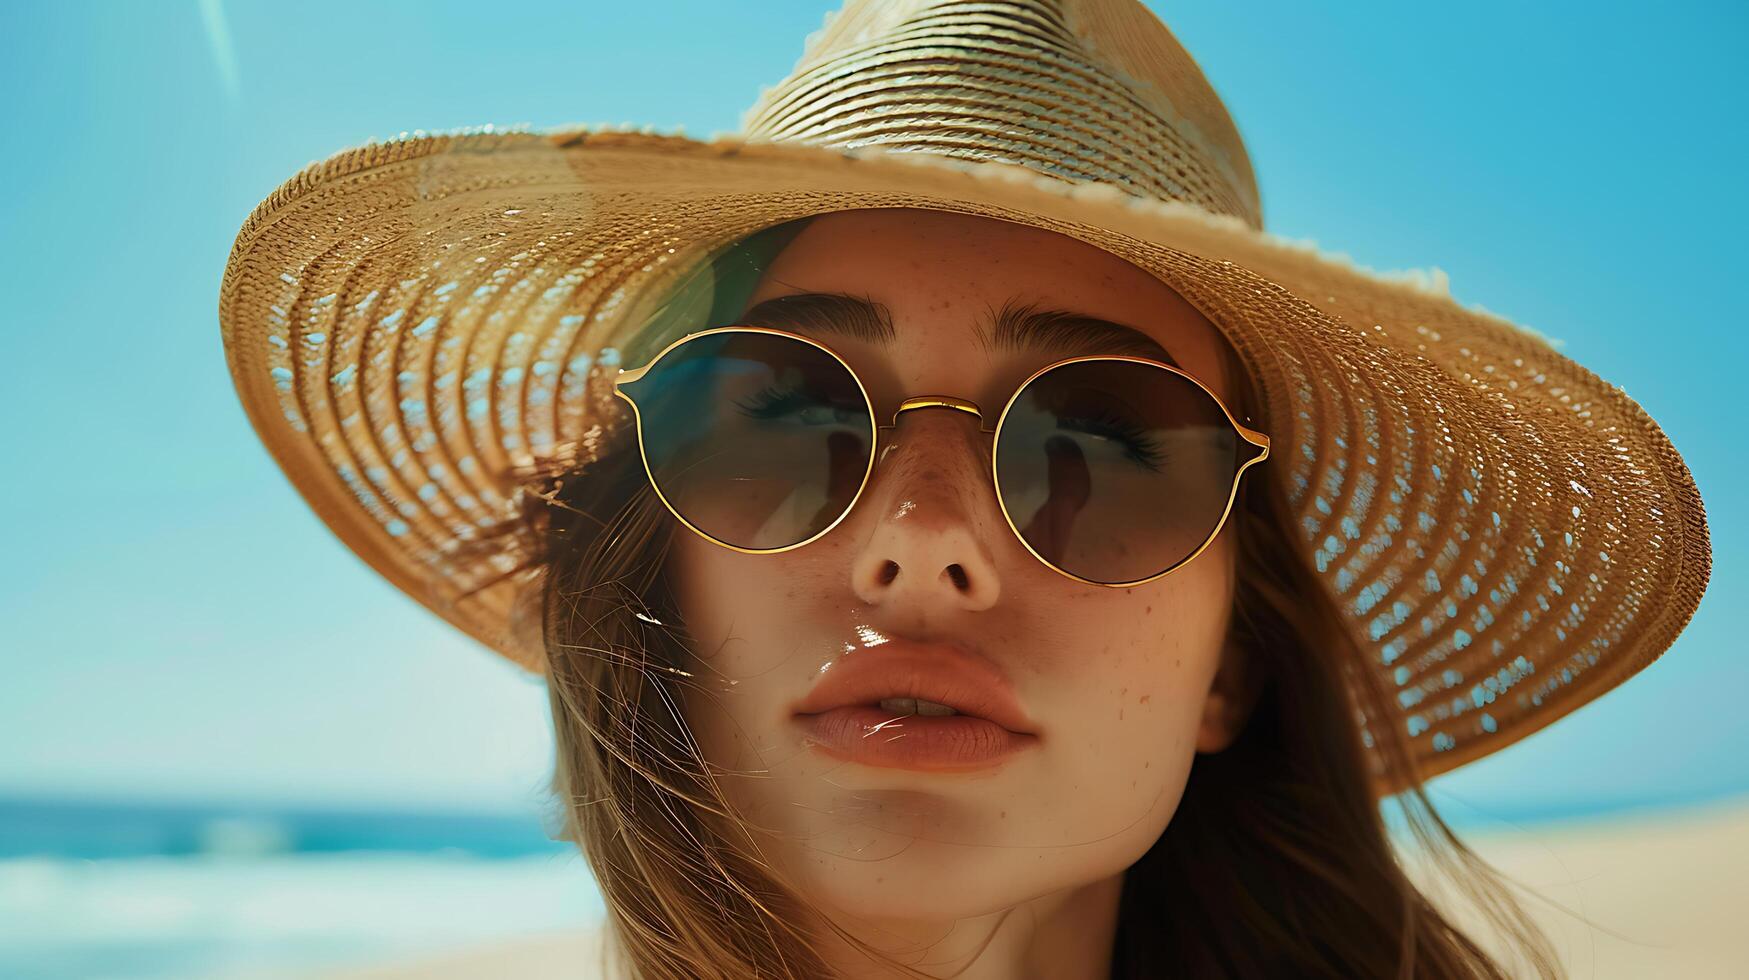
x: 122, y: 891
x: 97, y: 891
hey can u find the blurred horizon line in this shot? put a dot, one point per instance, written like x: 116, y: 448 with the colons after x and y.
x: 85, y: 826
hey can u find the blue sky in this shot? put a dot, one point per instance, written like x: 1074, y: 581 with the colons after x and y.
x: 178, y: 624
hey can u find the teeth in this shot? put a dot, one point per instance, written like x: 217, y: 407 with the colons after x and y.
x: 916, y: 706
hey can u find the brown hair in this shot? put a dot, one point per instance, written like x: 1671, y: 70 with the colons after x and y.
x: 1276, y: 863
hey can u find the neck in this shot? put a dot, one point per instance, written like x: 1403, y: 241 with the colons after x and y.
x: 1063, y: 935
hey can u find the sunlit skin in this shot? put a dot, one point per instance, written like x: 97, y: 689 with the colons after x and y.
x: 1013, y: 871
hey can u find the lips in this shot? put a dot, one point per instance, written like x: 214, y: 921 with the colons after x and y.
x: 881, y: 738
x: 947, y: 674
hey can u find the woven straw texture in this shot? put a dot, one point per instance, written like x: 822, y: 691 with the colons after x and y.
x: 1507, y: 535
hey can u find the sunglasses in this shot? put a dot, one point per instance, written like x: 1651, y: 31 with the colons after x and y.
x: 1112, y: 470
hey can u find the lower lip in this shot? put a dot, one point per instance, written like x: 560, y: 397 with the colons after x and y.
x: 873, y: 736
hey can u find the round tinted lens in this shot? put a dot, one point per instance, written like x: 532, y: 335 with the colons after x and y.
x: 759, y: 440
x: 1115, y: 471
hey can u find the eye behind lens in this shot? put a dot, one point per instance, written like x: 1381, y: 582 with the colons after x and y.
x: 756, y: 440
x: 1115, y: 471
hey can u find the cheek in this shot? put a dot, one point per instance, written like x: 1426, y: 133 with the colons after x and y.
x: 1148, y: 657
x: 726, y: 602
x: 738, y: 608
x: 710, y: 582
x: 716, y: 610
x: 741, y: 615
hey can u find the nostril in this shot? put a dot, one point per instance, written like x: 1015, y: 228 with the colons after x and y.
x: 889, y: 571
x: 958, y: 575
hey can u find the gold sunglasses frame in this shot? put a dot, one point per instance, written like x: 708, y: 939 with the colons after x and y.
x: 1259, y: 440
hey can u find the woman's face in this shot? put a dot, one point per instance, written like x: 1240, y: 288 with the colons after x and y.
x: 1122, y: 686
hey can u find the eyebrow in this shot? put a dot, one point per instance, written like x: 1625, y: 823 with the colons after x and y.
x: 1016, y: 326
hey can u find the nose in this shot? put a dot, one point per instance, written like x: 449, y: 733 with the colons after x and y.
x: 934, y: 505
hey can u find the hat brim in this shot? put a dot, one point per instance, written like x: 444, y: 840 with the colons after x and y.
x: 1507, y: 535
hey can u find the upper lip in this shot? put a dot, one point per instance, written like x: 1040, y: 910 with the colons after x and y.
x: 946, y: 673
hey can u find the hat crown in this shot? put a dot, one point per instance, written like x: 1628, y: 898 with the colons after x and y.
x: 1081, y: 90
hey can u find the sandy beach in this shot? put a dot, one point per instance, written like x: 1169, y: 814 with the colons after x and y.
x: 1664, y: 896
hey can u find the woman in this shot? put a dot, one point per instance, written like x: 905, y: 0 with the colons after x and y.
x: 985, y: 553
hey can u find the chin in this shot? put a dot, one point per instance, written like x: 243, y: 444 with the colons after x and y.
x: 921, y: 881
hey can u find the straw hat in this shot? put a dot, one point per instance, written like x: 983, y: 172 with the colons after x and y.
x: 1507, y: 535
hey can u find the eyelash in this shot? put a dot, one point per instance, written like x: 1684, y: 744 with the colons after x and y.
x: 1139, y: 447
x: 772, y: 403
x: 768, y: 403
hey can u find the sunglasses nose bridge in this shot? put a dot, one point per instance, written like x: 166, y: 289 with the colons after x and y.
x: 938, y: 401
x: 885, y: 433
